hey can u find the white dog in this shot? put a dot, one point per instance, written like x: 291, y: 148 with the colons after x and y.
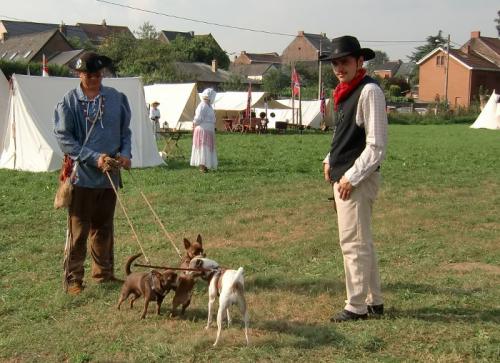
x: 230, y: 287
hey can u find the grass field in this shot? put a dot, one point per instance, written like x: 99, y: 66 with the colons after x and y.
x: 436, y: 226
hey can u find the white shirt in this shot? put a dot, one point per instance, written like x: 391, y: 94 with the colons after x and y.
x: 204, y: 116
x: 371, y: 115
x: 154, y: 113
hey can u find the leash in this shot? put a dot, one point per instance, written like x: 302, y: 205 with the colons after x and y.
x: 126, y: 215
x: 157, y: 219
x: 175, y: 268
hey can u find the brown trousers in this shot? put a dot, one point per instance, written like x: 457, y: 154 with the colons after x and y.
x: 91, y: 213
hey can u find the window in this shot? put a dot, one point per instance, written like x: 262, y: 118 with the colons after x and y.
x: 13, y: 56
x: 3, y: 55
x: 440, y: 60
x: 27, y: 54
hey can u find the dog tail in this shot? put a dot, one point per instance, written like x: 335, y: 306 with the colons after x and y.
x: 129, y: 263
x: 237, y: 276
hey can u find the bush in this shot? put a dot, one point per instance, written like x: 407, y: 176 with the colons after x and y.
x: 417, y: 119
x: 35, y: 69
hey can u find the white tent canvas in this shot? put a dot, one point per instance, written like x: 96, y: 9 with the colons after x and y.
x: 311, y: 113
x: 230, y: 104
x: 29, y: 142
x: 178, y: 103
x: 489, y: 118
x: 4, y: 106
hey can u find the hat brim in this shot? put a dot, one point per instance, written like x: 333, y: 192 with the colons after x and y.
x: 104, y: 62
x: 367, y: 54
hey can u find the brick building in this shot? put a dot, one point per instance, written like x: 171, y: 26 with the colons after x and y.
x: 475, y: 65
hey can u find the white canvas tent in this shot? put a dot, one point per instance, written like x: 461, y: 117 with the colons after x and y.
x: 29, y: 142
x: 229, y: 104
x: 311, y: 113
x: 178, y: 103
x: 4, y: 106
x: 489, y: 118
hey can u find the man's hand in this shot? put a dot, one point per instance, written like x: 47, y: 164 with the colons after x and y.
x: 326, y: 172
x: 125, y: 162
x: 107, y: 164
x: 101, y: 161
x: 344, y: 188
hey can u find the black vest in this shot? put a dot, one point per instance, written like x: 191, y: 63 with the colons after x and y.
x: 349, y: 140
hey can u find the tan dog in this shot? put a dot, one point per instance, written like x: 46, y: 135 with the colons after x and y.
x: 186, y: 282
x: 152, y: 285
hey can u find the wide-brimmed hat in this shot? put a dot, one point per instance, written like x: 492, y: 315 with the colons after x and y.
x: 347, y: 45
x: 155, y: 103
x: 91, y: 62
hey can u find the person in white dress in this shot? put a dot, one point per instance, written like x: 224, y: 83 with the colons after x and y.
x: 204, y: 153
x: 154, y: 115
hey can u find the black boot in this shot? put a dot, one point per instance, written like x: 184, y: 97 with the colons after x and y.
x: 346, y: 315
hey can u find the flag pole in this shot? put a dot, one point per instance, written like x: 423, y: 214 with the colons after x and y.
x: 293, y: 94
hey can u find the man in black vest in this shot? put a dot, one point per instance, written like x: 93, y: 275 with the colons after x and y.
x: 352, y: 166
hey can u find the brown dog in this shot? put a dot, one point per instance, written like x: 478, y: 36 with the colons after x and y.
x: 152, y: 285
x: 186, y: 282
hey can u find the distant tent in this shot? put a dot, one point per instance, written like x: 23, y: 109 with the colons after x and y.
x: 311, y: 113
x: 229, y: 104
x: 29, y: 142
x: 178, y: 103
x: 489, y: 118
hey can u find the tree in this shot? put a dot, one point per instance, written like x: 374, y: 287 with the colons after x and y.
x: 497, y: 20
x: 148, y: 58
x: 380, y: 58
x: 234, y: 83
x: 77, y: 43
x: 202, y: 49
x: 275, y: 81
x: 146, y: 31
x: 433, y: 42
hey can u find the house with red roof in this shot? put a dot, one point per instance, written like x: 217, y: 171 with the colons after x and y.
x: 460, y: 73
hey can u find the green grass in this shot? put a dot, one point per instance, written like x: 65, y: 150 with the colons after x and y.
x: 436, y: 225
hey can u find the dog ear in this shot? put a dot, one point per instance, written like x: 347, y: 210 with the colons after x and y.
x: 198, y: 239
x: 187, y: 244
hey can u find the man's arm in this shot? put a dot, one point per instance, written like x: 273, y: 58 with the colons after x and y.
x: 372, y: 115
x: 65, y: 132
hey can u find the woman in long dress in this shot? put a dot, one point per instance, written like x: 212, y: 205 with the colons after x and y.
x: 204, y: 153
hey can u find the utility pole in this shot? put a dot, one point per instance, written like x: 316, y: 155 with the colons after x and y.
x: 446, y: 73
x: 319, y: 71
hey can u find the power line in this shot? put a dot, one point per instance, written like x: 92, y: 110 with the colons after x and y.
x: 197, y: 20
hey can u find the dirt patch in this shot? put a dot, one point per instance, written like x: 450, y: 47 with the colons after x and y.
x: 470, y: 266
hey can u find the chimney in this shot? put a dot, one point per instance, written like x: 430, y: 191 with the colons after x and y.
x: 62, y: 28
x: 4, y: 37
x: 214, y: 65
x: 103, y: 23
x: 301, y: 33
x: 475, y: 34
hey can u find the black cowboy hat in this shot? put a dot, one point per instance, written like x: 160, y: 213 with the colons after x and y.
x: 91, y: 62
x: 347, y: 45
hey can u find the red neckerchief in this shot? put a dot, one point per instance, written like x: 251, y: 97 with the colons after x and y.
x: 344, y: 89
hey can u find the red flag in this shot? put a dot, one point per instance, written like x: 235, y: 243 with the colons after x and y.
x: 295, y: 83
x: 45, y: 67
x: 249, y: 101
x: 323, y: 101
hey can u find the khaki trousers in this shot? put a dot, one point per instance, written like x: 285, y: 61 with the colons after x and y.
x: 360, y: 260
x: 91, y: 213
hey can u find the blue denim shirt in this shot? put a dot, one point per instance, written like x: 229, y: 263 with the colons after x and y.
x: 111, y: 134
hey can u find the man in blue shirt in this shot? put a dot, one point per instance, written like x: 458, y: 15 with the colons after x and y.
x: 91, y: 125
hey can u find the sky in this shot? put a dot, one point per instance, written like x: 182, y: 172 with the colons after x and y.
x: 393, y: 26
